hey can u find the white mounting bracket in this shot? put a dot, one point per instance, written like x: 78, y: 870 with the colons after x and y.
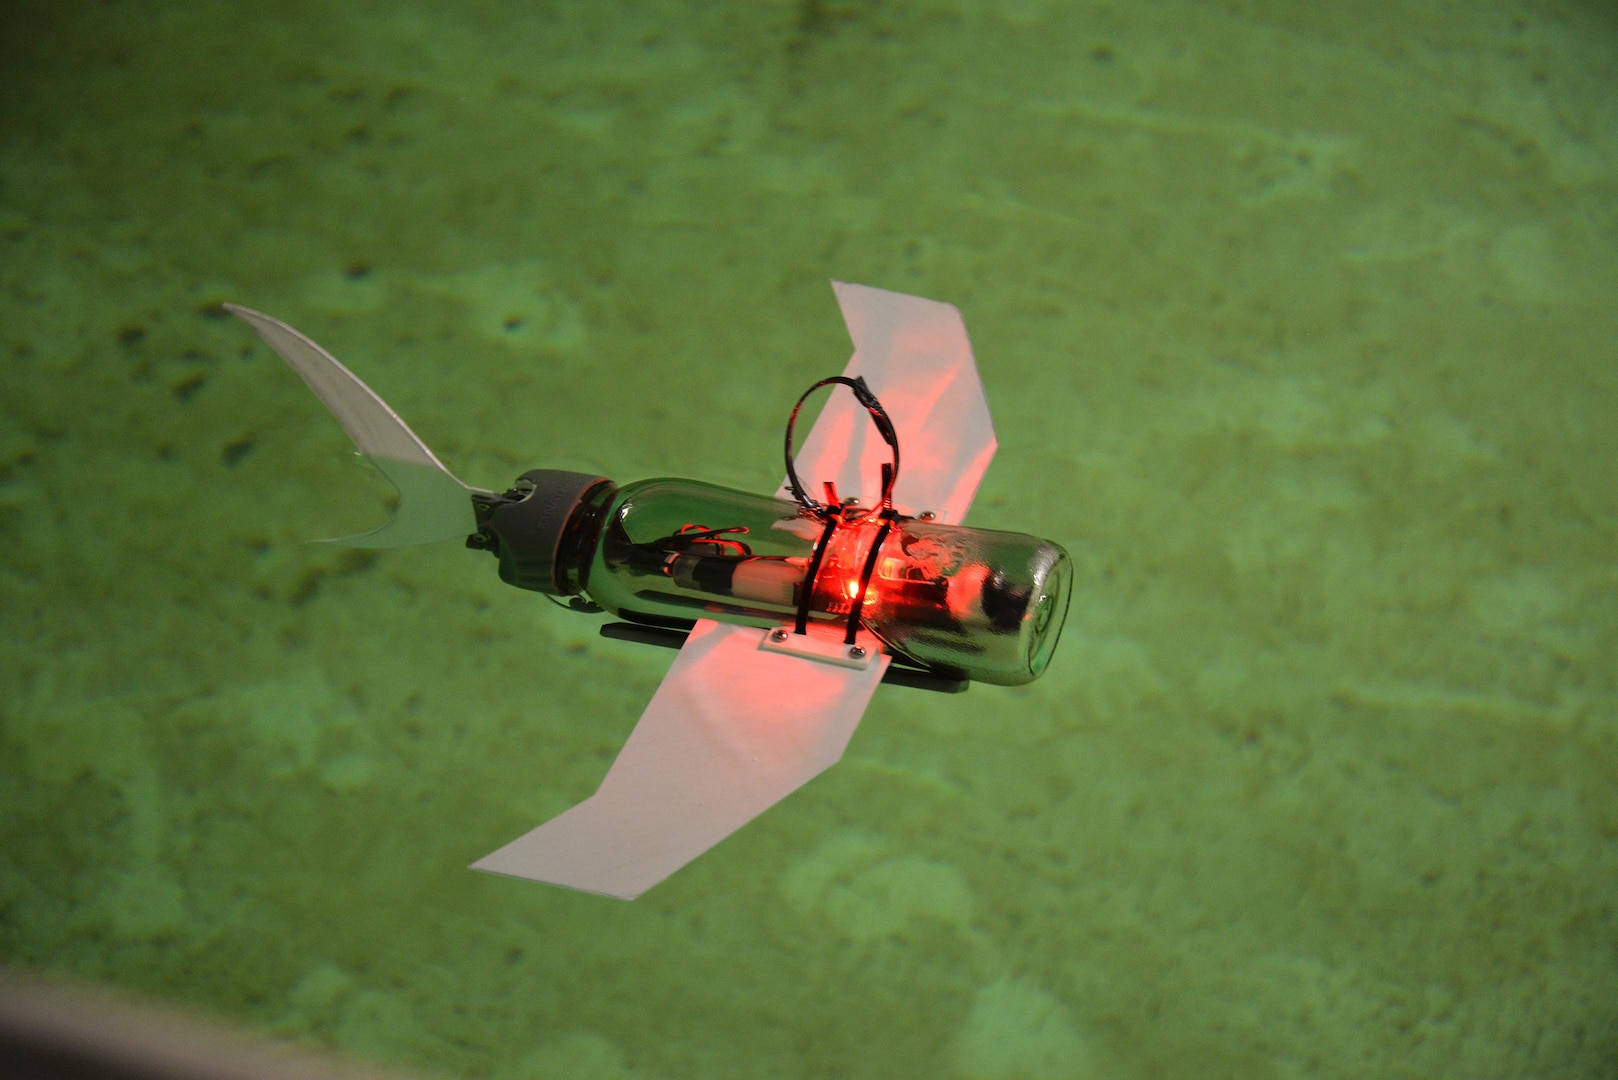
x: 823, y: 645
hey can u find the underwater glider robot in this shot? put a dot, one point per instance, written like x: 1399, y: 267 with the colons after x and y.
x: 787, y: 609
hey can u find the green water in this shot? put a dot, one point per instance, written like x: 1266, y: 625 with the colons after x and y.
x: 1298, y: 326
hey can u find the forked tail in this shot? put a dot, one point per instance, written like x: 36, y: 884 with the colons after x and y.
x: 433, y: 504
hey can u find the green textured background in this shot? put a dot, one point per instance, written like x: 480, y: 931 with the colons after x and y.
x: 1298, y: 325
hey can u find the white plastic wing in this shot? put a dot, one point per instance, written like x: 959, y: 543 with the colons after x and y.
x: 433, y: 504
x: 731, y: 731
x: 916, y: 358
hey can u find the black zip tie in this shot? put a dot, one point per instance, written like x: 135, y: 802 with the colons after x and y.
x: 865, y: 575
x: 806, y: 591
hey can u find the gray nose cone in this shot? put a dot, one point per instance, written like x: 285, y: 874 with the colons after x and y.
x: 528, y: 531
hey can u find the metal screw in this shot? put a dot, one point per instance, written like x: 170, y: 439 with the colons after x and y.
x: 778, y: 635
x: 856, y: 652
x: 928, y: 515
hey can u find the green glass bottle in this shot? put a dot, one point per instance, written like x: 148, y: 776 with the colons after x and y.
x: 972, y: 603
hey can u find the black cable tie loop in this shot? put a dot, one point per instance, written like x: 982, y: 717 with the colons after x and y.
x: 831, y: 512
x: 884, y: 427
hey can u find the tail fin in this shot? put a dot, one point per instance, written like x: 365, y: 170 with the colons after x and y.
x: 433, y: 504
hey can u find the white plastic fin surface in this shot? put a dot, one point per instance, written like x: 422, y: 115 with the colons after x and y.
x: 730, y: 732
x: 916, y: 358
x: 433, y: 504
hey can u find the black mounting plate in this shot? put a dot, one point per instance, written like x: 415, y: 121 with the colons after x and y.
x: 897, y: 674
